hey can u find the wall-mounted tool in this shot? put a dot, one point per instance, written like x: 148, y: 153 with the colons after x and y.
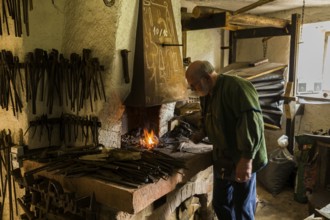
x: 18, y: 12
x: 124, y: 55
x: 171, y: 45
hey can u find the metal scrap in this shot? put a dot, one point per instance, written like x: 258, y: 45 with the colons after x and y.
x: 148, y: 168
x: 46, y: 199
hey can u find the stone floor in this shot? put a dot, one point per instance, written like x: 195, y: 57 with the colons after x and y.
x: 282, y: 206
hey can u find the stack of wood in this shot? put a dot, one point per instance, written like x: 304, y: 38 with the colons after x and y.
x: 269, y: 80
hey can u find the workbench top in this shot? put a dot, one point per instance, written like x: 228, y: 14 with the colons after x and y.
x: 132, y: 200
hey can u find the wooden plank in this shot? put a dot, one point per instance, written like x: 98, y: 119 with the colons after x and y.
x: 244, y: 70
x: 265, y: 72
x: 258, y: 21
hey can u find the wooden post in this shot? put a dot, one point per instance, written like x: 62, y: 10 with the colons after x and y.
x: 294, y: 43
x: 233, y: 47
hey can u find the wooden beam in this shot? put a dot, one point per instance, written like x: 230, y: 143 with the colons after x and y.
x: 218, y: 20
x: 211, y: 18
x: 261, y: 32
x: 205, y: 11
x: 252, y: 6
x: 258, y: 21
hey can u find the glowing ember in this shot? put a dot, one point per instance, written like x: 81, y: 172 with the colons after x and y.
x: 150, y: 140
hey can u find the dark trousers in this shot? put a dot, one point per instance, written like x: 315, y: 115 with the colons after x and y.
x: 233, y: 200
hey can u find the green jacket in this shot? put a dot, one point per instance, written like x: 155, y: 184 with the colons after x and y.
x: 233, y: 121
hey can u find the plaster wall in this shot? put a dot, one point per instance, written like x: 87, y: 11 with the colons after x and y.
x: 46, y: 30
x: 106, y: 31
x: 204, y: 45
x: 315, y: 117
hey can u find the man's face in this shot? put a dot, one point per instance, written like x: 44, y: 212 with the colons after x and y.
x: 199, y: 85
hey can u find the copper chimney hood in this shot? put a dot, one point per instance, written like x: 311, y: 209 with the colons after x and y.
x: 158, y: 72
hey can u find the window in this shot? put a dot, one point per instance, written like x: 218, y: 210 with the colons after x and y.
x: 313, y: 74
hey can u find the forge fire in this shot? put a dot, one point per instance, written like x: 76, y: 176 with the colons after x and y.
x: 149, y: 140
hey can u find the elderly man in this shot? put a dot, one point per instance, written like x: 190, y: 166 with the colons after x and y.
x: 232, y: 120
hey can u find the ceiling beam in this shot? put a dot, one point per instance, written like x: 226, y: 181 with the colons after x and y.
x: 229, y: 22
x: 262, y: 32
x: 205, y: 11
x: 257, y: 21
x: 217, y: 20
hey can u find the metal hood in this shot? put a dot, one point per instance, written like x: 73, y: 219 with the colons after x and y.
x: 158, y: 72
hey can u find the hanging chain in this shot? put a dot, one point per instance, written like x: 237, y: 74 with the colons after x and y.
x: 302, y: 20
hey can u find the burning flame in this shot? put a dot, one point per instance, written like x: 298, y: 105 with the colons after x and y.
x: 149, y: 140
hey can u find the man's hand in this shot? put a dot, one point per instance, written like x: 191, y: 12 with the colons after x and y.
x: 243, y: 170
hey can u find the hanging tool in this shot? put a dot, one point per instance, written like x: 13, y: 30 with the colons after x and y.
x: 124, y: 55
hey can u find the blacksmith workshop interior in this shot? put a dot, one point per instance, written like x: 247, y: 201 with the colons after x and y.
x: 96, y: 113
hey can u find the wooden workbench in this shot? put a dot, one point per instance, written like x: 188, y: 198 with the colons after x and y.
x: 132, y: 200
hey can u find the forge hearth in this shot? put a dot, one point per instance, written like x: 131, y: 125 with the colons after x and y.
x: 141, y: 138
x: 141, y: 117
